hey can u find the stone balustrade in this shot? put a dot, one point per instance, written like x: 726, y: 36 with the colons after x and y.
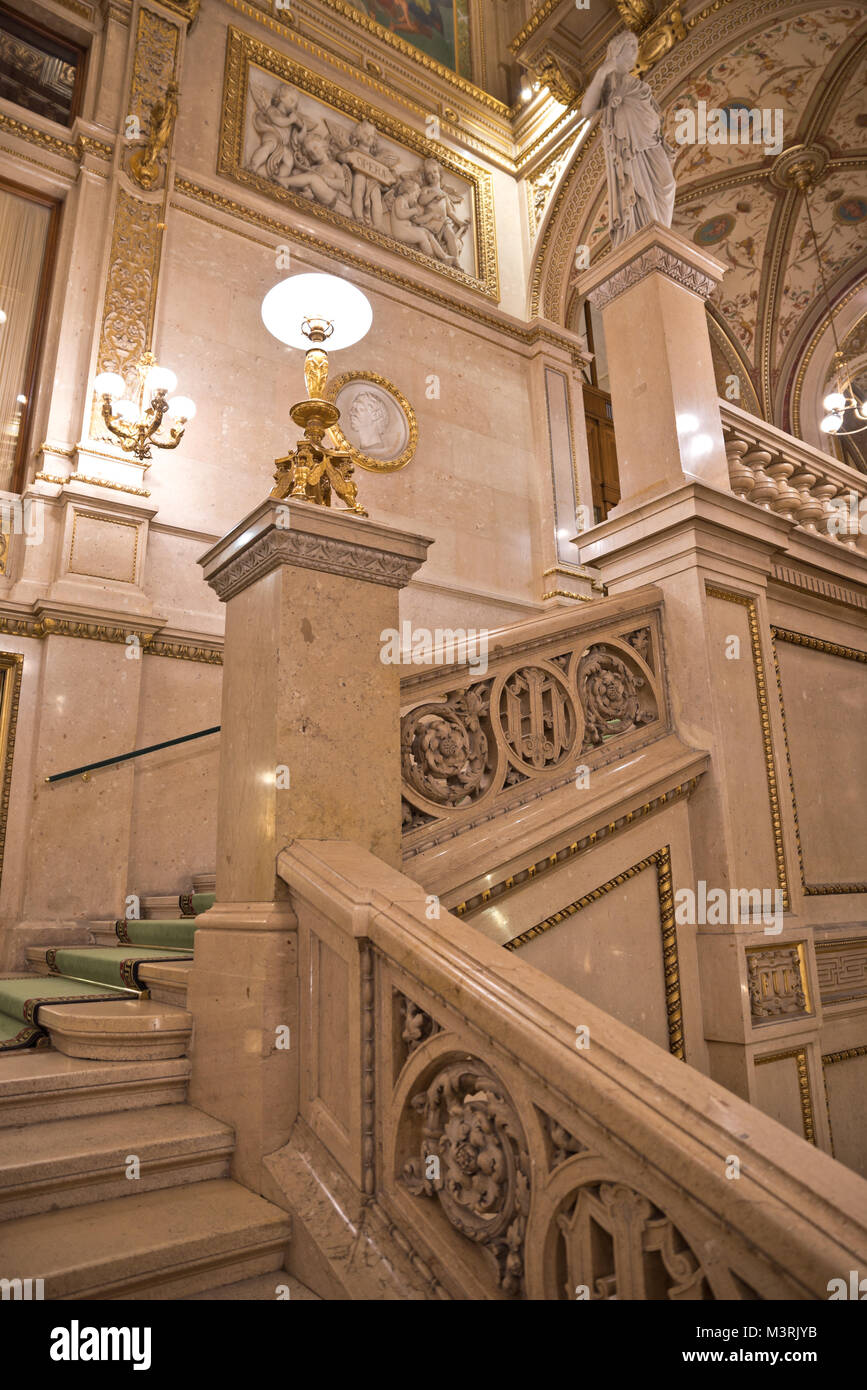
x: 515, y: 1141
x: 575, y: 688
x: 784, y: 475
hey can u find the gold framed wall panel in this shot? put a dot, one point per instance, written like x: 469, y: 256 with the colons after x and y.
x: 243, y: 52
x: 11, y: 664
x: 749, y: 603
x: 799, y: 1056
x: 817, y: 644
x: 660, y: 860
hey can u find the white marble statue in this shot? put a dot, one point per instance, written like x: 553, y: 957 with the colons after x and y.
x: 638, y: 160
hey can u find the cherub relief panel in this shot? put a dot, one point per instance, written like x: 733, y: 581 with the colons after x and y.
x: 350, y: 168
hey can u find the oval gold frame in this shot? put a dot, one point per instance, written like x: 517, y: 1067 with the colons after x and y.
x: 332, y: 391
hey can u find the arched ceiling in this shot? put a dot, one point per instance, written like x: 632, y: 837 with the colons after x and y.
x: 769, y: 314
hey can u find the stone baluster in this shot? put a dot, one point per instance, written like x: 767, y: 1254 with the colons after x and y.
x: 764, y: 488
x: 808, y: 511
x: 787, y: 500
x: 740, y: 476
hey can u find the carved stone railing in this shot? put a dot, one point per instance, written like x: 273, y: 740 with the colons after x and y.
x: 784, y: 475
x: 567, y: 690
x: 518, y: 1142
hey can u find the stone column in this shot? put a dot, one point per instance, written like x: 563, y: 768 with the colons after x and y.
x: 679, y: 526
x: 310, y: 748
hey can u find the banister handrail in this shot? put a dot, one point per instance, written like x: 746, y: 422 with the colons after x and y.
x: 136, y: 753
x: 797, y: 449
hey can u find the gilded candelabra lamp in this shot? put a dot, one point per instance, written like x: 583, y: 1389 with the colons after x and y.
x: 308, y: 311
x: 136, y: 425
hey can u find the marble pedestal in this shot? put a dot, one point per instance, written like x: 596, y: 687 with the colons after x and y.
x: 679, y: 526
x: 651, y: 292
x: 310, y: 748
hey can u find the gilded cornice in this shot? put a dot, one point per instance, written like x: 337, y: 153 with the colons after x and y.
x: 41, y: 624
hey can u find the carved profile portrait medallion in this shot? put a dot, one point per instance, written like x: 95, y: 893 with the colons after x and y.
x: 377, y: 425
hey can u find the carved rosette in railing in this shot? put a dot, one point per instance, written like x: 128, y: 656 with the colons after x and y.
x: 549, y: 1207
x: 528, y: 724
x: 473, y: 1160
x: 800, y: 489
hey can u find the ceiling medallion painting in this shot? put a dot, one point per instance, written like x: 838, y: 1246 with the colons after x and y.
x: 300, y: 139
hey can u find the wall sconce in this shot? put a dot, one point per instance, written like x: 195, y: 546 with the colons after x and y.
x: 135, y: 425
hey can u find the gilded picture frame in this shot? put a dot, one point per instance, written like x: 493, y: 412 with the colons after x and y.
x: 248, y: 57
x: 373, y: 388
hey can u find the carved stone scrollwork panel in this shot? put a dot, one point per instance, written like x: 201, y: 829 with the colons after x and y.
x: 777, y: 983
x: 619, y: 1245
x: 474, y: 1163
x: 519, y: 733
x: 615, y: 695
x: 537, y: 716
x: 447, y: 755
x: 414, y: 1027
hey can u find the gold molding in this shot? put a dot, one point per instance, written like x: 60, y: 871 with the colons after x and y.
x: 138, y: 223
x: 244, y: 52
x: 661, y: 861
x: 848, y: 1054
x: 373, y: 465
x: 749, y: 603
x: 802, y: 639
x: 151, y: 644
x: 800, y: 947
x: 12, y: 663
x: 565, y: 593
x: 528, y: 336
x: 799, y: 1055
x: 537, y: 867
x: 93, y: 482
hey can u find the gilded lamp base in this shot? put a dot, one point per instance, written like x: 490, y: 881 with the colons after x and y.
x: 312, y: 472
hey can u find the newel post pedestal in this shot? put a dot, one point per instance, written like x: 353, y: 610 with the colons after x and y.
x: 309, y: 749
x: 679, y: 526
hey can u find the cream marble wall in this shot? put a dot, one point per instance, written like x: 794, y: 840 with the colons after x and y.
x: 173, y: 832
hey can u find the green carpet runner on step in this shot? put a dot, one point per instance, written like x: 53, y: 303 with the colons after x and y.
x: 96, y: 973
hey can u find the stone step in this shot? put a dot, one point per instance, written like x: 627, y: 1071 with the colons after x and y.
x: 66, y: 1163
x: 124, y: 1031
x: 165, y: 981
x: 205, y: 883
x: 154, y: 1245
x: 47, y: 1085
x: 263, y: 1289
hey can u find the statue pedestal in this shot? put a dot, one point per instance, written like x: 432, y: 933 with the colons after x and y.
x: 309, y: 749
x: 651, y: 292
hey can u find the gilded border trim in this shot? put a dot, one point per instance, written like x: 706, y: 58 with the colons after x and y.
x: 12, y: 662
x: 244, y: 52
x: 799, y: 1055
x: 151, y: 644
x: 749, y: 603
x: 816, y: 644
x: 540, y: 866
x: 661, y: 861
